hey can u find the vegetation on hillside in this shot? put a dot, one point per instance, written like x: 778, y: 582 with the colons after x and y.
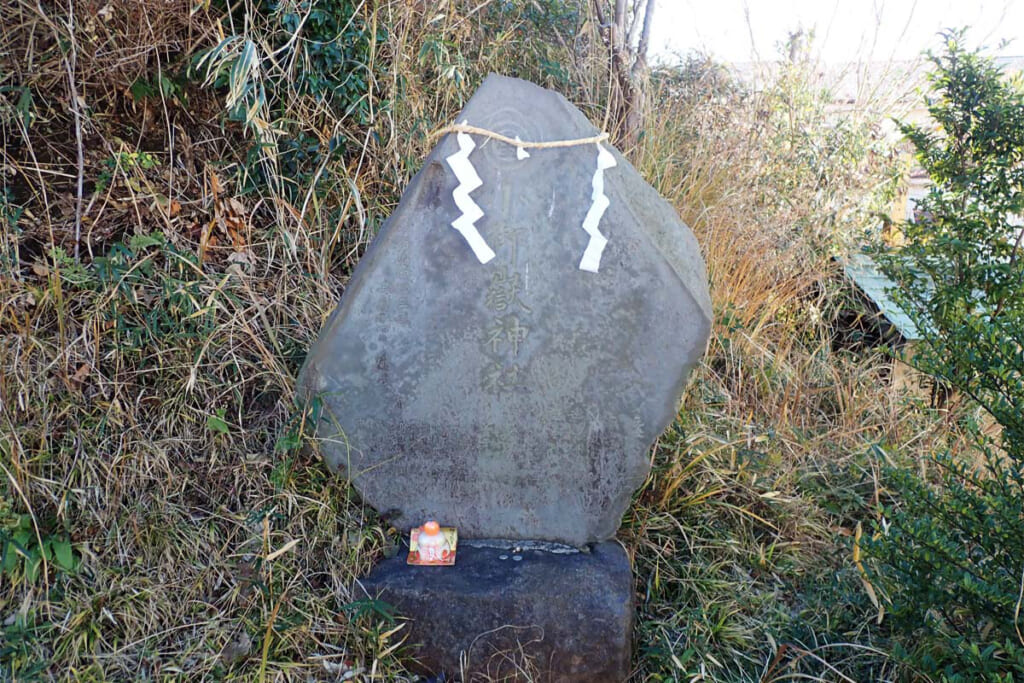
x: 950, y: 546
x: 185, y: 190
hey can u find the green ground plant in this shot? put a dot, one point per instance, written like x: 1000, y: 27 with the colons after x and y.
x: 950, y: 546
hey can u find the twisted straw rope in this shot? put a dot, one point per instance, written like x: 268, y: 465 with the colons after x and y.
x: 466, y: 128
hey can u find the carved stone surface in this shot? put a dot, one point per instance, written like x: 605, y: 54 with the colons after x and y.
x: 492, y: 617
x: 515, y: 398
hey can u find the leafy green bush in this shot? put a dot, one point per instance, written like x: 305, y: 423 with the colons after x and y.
x: 950, y: 550
x: 293, y: 71
x: 25, y: 550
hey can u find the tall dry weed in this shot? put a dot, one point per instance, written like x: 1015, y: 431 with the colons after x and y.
x: 743, y: 533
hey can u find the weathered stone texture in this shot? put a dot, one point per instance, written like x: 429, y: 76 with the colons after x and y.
x: 551, y: 618
x: 516, y: 398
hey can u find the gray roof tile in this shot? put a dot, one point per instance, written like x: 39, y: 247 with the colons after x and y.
x: 865, y: 273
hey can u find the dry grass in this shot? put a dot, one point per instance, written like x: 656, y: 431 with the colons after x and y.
x: 146, y: 386
x: 744, y: 535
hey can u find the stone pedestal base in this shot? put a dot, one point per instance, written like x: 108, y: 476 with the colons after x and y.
x: 500, y: 615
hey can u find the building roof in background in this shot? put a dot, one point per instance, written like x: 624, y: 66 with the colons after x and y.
x: 851, y: 83
x: 865, y: 273
x: 848, y: 82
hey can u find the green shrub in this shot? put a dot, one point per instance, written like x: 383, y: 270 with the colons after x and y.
x: 949, y: 552
x: 293, y: 71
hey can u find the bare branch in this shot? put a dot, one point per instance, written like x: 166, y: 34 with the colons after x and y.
x: 620, y: 23
x: 76, y: 111
x: 627, y: 65
x: 636, y: 21
x: 641, y: 51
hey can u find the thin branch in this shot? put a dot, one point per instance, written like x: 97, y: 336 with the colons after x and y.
x: 636, y: 22
x: 76, y: 110
x: 641, y: 51
x: 1016, y: 611
x: 620, y: 20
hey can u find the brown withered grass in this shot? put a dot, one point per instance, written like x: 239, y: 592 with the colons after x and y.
x: 147, y: 380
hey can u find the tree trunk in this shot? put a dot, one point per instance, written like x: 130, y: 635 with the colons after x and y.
x: 627, y: 36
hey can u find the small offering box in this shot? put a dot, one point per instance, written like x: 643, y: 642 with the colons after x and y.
x: 441, y: 556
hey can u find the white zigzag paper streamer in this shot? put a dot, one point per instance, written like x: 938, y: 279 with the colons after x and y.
x: 471, y: 212
x: 521, y: 152
x: 591, y: 260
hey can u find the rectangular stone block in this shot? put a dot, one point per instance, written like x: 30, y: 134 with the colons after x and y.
x: 502, y: 614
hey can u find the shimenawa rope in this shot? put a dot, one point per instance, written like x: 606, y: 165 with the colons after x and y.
x: 466, y: 128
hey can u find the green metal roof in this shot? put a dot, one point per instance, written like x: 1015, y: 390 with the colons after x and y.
x: 864, y: 272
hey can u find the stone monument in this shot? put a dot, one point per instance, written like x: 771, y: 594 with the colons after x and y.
x: 515, y: 338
